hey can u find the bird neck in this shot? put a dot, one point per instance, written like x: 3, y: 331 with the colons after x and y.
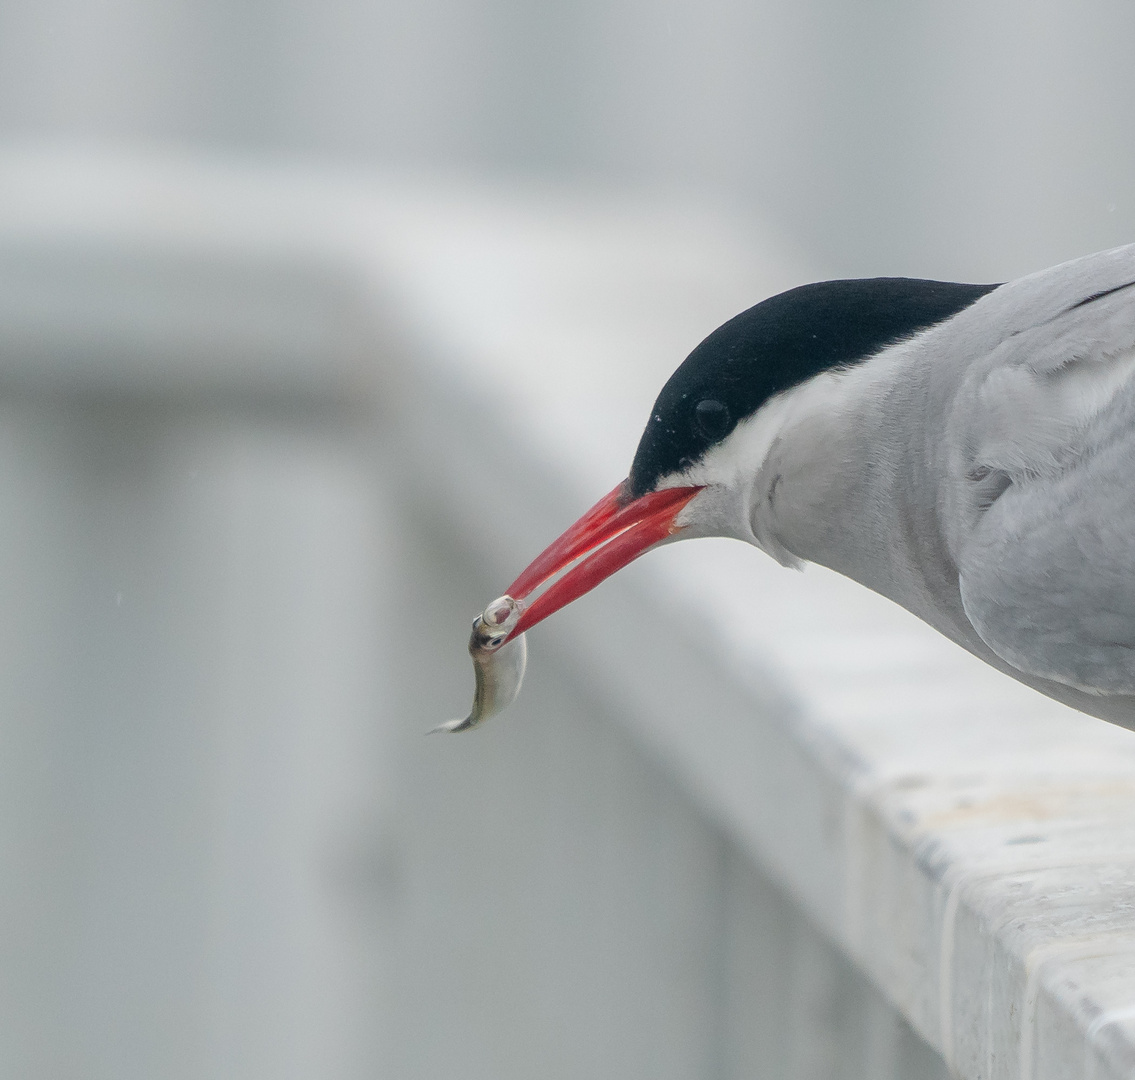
x: 839, y: 485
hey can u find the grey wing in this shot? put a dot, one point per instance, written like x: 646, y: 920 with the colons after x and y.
x: 1048, y: 577
x: 1043, y: 496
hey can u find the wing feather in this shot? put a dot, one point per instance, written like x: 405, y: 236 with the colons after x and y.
x: 1042, y: 495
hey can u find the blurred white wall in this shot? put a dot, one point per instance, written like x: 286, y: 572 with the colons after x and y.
x: 194, y: 759
x: 974, y: 140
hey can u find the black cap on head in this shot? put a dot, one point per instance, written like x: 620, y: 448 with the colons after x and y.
x: 776, y: 345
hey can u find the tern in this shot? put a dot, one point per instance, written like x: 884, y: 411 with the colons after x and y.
x: 966, y: 450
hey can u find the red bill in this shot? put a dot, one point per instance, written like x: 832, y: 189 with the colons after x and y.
x: 614, y: 532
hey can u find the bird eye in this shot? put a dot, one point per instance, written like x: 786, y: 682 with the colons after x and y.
x: 712, y: 418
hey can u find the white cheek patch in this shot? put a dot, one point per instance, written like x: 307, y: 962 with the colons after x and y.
x: 731, y: 473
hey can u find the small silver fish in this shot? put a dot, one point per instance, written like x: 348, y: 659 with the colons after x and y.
x: 498, y: 663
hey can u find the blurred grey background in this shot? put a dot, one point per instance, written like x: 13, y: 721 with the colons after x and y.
x: 973, y: 140
x: 224, y: 850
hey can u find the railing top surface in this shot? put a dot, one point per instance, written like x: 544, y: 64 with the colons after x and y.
x: 971, y: 843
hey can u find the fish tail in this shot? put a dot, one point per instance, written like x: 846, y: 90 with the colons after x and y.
x: 453, y: 725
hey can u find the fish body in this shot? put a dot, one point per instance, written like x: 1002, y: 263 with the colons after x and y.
x: 498, y: 663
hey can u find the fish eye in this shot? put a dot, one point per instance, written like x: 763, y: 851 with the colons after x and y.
x: 712, y: 418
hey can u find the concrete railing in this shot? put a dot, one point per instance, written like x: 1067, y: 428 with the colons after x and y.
x: 270, y: 440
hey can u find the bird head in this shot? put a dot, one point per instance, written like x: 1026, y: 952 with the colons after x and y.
x: 711, y: 456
